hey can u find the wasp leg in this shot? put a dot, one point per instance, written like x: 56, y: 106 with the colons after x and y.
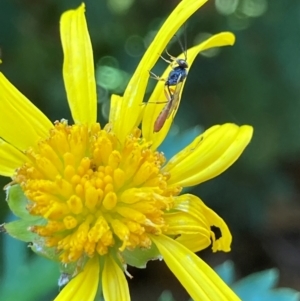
x: 166, y: 60
x: 157, y: 102
x: 168, y: 97
x: 153, y: 75
x: 169, y: 92
x: 171, y: 61
x: 173, y: 58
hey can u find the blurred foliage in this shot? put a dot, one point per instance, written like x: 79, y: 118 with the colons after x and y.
x: 25, y: 277
x: 257, y: 286
x: 255, y: 82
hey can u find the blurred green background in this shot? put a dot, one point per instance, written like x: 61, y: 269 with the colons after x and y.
x: 255, y: 82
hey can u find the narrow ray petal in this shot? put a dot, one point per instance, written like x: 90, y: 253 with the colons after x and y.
x: 192, y: 234
x: 209, y: 156
x: 78, y: 69
x: 115, y: 106
x: 115, y: 286
x: 200, y: 281
x: 224, y: 242
x: 184, y: 223
x: 153, y: 110
x: 10, y: 159
x: 19, y: 115
x: 194, y: 242
x: 195, y: 207
x: 135, y: 90
x: 84, y: 286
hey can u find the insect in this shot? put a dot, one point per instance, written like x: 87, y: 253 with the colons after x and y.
x: 175, y: 78
x: 169, y: 107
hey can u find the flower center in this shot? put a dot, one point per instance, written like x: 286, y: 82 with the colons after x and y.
x: 94, y: 192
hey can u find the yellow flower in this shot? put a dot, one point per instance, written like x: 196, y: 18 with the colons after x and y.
x: 100, y: 196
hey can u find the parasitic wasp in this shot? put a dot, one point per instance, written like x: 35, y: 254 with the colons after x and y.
x: 175, y: 79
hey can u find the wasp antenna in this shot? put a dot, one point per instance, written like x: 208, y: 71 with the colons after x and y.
x: 183, y: 46
x: 185, y: 40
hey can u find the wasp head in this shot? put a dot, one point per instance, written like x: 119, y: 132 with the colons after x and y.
x: 182, y: 63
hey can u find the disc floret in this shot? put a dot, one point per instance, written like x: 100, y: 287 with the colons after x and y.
x: 93, y: 192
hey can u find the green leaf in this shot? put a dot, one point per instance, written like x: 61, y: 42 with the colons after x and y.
x: 18, y: 202
x: 75, y: 267
x: 38, y: 247
x: 19, y: 230
x: 139, y: 257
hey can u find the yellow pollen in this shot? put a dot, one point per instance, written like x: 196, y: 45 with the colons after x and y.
x: 110, y: 201
x: 69, y: 172
x: 91, y: 198
x: 75, y: 204
x: 94, y: 192
x: 70, y: 222
x: 119, y: 178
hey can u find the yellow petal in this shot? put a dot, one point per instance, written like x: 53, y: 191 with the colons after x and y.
x: 114, y: 283
x: 153, y: 110
x: 188, y: 217
x: 200, y: 281
x: 184, y: 223
x: 195, y: 207
x: 84, y: 286
x: 78, y: 69
x: 223, y: 243
x: 192, y: 205
x: 114, y: 112
x: 115, y: 106
x: 208, y: 155
x: 133, y: 96
x: 194, y: 242
x: 10, y: 159
x: 21, y: 123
